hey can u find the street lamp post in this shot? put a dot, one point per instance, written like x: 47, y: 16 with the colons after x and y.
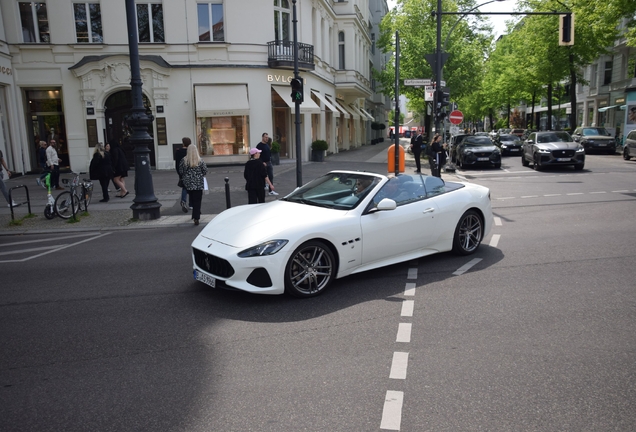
x: 299, y: 162
x: 145, y: 205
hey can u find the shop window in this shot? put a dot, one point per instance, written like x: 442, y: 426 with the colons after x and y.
x: 211, y: 23
x: 35, y: 22
x: 88, y: 22
x: 150, y: 22
x: 220, y: 136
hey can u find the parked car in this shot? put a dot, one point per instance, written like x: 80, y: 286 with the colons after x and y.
x: 595, y: 139
x: 477, y: 150
x: 629, y: 148
x: 342, y: 223
x: 518, y: 132
x: 509, y: 144
x: 526, y: 134
x: 552, y: 148
x: 455, y: 140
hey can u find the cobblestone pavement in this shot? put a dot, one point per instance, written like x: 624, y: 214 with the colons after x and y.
x: 226, y: 182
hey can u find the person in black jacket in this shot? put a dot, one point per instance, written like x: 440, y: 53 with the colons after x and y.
x: 120, y: 168
x: 101, y: 169
x: 178, y: 155
x: 417, y: 150
x: 255, y: 174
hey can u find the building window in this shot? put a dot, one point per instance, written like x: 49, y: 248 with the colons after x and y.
x: 35, y: 22
x: 281, y: 20
x: 88, y: 22
x: 607, y: 77
x: 150, y: 22
x: 341, y: 50
x: 210, y: 22
x: 222, y: 136
x: 593, y: 75
x: 372, y: 43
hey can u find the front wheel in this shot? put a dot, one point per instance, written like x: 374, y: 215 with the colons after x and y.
x: 578, y: 167
x: 468, y: 233
x: 64, y: 206
x: 626, y: 155
x: 524, y: 162
x: 536, y: 164
x: 49, y: 213
x: 310, y: 270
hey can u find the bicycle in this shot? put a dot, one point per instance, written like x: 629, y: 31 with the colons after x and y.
x: 76, y: 199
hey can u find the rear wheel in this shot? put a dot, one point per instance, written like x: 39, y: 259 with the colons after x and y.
x: 468, y: 233
x: 310, y: 270
x: 626, y: 155
x: 64, y: 206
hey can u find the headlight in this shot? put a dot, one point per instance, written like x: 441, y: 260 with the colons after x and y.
x: 542, y: 150
x: 504, y: 145
x: 267, y: 248
x: 580, y: 149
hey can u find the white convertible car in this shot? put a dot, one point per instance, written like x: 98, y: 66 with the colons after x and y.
x: 341, y: 223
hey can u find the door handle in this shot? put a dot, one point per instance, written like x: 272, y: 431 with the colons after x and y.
x: 429, y: 210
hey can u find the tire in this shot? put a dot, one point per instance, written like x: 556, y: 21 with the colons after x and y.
x: 88, y: 196
x: 536, y: 165
x: 468, y: 233
x: 578, y: 167
x: 63, y: 205
x: 498, y: 166
x: 49, y: 213
x: 310, y: 270
x: 611, y: 151
x: 524, y: 162
x: 626, y: 155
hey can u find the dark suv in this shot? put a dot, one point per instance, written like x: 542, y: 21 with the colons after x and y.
x: 595, y: 138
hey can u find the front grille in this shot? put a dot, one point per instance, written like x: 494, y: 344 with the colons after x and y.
x: 213, y: 264
x: 482, y: 154
x: 563, y: 153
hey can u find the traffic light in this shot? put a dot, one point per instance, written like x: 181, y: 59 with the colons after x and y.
x: 440, y: 116
x: 297, y: 90
x: 442, y: 98
x: 566, y: 29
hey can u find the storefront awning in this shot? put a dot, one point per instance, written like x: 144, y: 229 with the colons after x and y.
x: 366, y: 113
x: 328, y: 104
x: 307, y: 107
x: 606, y: 108
x: 357, y: 111
x: 339, y: 107
x: 221, y: 100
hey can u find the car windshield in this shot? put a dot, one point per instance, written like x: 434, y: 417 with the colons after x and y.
x: 554, y: 137
x: 509, y: 138
x: 476, y: 141
x: 337, y: 190
x: 595, y: 131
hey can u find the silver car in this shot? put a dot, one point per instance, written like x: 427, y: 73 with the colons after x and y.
x: 544, y: 149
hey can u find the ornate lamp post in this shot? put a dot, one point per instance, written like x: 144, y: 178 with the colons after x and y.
x: 145, y: 205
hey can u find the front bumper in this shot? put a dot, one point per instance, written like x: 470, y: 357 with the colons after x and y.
x: 481, y: 158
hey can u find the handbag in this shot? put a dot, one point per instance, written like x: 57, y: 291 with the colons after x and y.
x: 180, y: 183
x: 205, y: 185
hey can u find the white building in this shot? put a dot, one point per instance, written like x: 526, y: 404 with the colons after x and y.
x: 217, y: 71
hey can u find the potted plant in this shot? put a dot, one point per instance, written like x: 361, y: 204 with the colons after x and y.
x: 275, y: 153
x: 318, y: 149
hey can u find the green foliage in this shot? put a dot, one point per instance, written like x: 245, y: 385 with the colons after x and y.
x: 319, y: 145
x: 275, y: 147
x: 392, y: 117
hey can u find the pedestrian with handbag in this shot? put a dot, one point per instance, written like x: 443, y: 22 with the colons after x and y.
x: 193, y: 170
x: 101, y: 169
x: 178, y: 156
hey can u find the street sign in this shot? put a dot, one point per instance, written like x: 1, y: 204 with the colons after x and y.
x: 417, y: 82
x: 456, y: 117
x: 429, y: 95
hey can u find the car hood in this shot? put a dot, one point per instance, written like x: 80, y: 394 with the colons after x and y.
x: 251, y: 224
x: 558, y: 145
x: 484, y: 148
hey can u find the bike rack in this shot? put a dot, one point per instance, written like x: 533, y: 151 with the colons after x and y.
x: 28, y: 200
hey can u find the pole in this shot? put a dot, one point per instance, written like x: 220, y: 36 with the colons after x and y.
x: 396, y: 136
x: 438, y: 65
x: 145, y: 205
x: 299, y: 164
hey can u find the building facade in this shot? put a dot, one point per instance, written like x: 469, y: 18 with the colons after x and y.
x: 216, y: 71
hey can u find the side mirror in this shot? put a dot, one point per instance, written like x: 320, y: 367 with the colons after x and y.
x: 386, y: 204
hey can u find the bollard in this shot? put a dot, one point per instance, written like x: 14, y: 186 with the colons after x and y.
x: 391, y: 159
x: 227, y: 193
x: 28, y: 200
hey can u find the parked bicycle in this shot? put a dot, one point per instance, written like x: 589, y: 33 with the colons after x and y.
x: 76, y: 199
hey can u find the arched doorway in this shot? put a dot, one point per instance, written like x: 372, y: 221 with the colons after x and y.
x: 116, y: 108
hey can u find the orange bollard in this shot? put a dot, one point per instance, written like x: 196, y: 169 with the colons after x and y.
x: 391, y: 159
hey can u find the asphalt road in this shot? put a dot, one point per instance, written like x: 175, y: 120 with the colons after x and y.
x: 108, y: 331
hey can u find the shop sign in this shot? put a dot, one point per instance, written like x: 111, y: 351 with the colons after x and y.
x: 602, y: 104
x: 620, y: 100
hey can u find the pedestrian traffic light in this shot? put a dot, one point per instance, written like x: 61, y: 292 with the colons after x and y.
x: 566, y: 29
x: 297, y: 90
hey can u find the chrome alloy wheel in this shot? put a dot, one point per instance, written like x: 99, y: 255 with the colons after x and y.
x: 468, y: 234
x: 310, y: 269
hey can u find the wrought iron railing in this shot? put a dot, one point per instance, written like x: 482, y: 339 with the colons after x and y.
x: 282, y: 53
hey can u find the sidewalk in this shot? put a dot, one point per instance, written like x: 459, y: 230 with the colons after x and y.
x: 117, y: 214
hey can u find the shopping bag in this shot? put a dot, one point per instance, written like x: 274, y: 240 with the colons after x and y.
x: 205, y: 186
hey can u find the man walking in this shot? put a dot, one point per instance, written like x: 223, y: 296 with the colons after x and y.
x: 417, y: 150
x: 53, y: 163
x: 180, y: 154
x: 266, y: 158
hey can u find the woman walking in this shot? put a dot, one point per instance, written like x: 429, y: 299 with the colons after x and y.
x: 256, y: 176
x: 120, y: 168
x: 101, y: 169
x: 193, y: 170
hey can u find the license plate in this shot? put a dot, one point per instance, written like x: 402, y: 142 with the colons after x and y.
x: 563, y: 159
x: 483, y: 159
x: 206, y: 279
x: 514, y: 149
x: 601, y: 145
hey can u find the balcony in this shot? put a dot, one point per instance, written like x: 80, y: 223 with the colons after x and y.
x: 280, y: 55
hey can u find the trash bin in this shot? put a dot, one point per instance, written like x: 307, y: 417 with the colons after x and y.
x: 391, y: 159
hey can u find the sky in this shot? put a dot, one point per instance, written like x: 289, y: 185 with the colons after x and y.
x: 498, y: 21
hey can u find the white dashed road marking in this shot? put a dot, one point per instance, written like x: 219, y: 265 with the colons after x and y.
x: 404, y: 333
x: 409, y: 290
x: 412, y: 273
x: 463, y: 269
x: 494, y: 240
x: 392, y: 412
x: 399, y: 365
x: 497, y: 221
x: 407, y: 308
